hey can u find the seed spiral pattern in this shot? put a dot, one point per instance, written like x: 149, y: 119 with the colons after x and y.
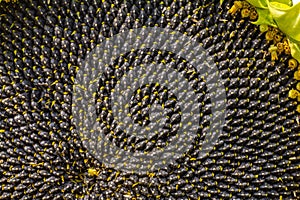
x: 43, y: 45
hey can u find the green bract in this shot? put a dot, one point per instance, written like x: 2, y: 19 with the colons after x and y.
x: 264, y: 17
x: 295, y: 49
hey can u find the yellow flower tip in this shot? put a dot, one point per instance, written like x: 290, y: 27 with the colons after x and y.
x: 269, y: 35
x: 293, y: 63
x: 298, y: 108
x: 298, y: 86
x: 297, y: 75
x: 274, y: 55
x: 93, y: 172
x: 253, y: 15
x: 263, y: 28
x: 273, y: 48
x: 293, y: 94
x: 245, y: 13
x: 233, y: 10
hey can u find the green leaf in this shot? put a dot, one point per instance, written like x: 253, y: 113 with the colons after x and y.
x: 264, y: 17
x: 287, y: 19
x: 295, y: 49
x: 278, y: 6
x: 264, y: 3
x: 221, y: 2
x: 259, y: 3
x: 286, y: 2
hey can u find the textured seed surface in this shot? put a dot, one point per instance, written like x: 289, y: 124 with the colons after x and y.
x: 43, y: 43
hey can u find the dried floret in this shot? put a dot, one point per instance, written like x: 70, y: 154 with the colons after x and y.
x: 293, y: 94
x: 293, y: 64
x: 253, y: 15
x: 263, y: 28
x: 245, y: 12
x: 269, y: 35
x: 298, y: 86
x: 297, y: 75
x: 280, y: 47
x: 236, y: 7
x: 273, y: 51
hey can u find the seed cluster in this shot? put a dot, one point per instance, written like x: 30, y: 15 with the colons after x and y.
x: 42, y: 156
x: 140, y: 104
